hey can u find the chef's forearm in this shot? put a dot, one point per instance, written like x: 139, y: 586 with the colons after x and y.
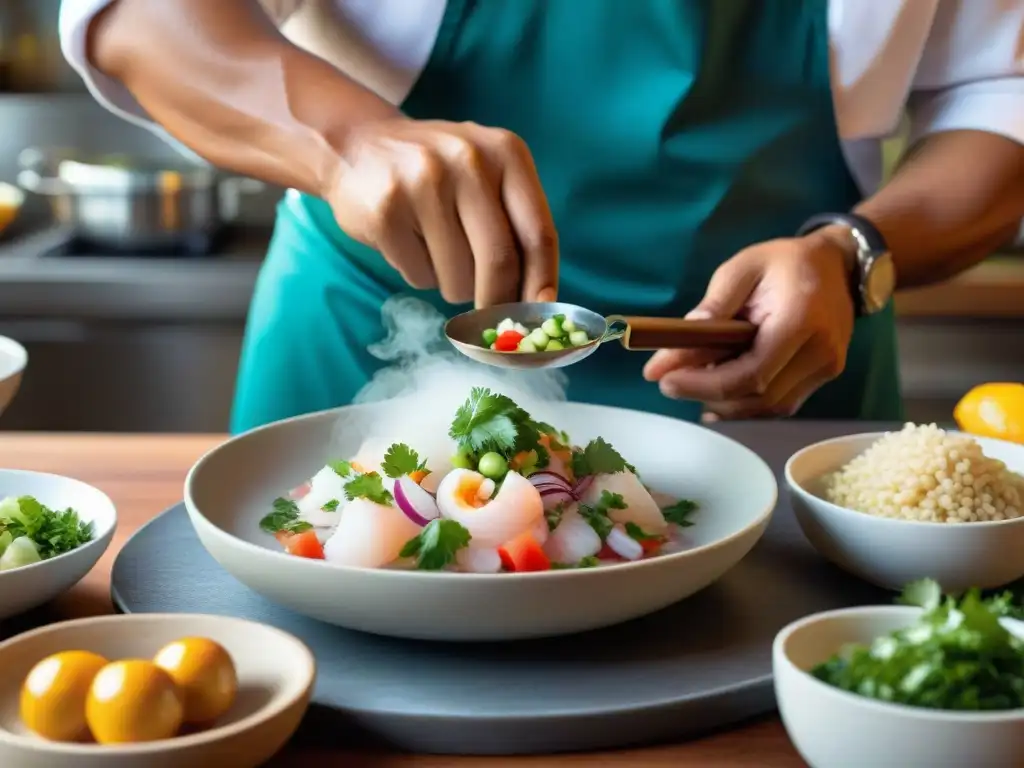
x: 956, y: 199
x: 222, y: 80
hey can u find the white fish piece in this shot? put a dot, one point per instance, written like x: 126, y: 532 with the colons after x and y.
x: 369, y: 535
x: 325, y: 487
x: 478, y: 560
x: 515, y: 508
x: 641, y: 508
x: 572, y: 540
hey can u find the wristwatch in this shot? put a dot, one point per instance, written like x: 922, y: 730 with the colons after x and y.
x: 872, y: 273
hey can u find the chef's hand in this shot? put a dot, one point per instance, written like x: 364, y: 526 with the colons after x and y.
x: 796, y: 291
x: 454, y: 206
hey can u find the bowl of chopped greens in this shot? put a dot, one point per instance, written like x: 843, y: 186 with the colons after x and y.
x: 936, y: 681
x: 13, y: 359
x: 53, y: 529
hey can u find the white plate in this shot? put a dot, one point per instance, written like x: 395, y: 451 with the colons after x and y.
x: 891, y: 553
x: 32, y: 585
x: 836, y: 729
x: 275, y: 679
x: 232, y: 487
x: 13, y: 359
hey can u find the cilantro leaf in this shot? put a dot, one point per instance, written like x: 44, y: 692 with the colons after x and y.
x: 435, y: 546
x: 331, y: 506
x: 284, y: 517
x: 402, y: 460
x: 679, y: 512
x: 369, y: 486
x: 54, y: 532
x: 597, y: 515
x: 598, y: 458
x: 485, y: 421
x: 587, y: 562
x: 639, y: 534
x: 341, y: 468
x: 554, y: 516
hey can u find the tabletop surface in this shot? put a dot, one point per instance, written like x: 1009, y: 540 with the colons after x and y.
x: 144, y: 474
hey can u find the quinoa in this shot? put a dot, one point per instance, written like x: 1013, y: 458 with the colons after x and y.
x: 927, y: 474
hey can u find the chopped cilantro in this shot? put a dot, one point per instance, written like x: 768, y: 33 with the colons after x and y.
x: 957, y: 656
x: 53, y: 531
x: 597, y: 515
x: 435, y: 546
x: 679, y: 513
x: 331, y: 506
x: 342, y: 468
x: 369, y: 486
x: 402, y: 460
x: 489, y: 421
x: 554, y: 516
x: 598, y: 458
x: 587, y: 562
x: 639, y: 534
x: 284, y: 517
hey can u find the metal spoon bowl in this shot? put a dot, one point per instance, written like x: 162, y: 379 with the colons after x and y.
x: 465, y: 332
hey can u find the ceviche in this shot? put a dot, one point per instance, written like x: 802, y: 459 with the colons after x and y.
x: 517, y: 495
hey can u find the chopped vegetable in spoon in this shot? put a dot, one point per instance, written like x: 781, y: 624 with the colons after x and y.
x: 31, y: 532
x: 555, y: 333
x: 957, y: 656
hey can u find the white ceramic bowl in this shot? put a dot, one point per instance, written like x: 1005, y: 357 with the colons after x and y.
x: 232, y: 487
x: 275, y: 670
x: 835, y: 729
x: 13, y: 359
x: 889, y: 552
x: 32, y: 585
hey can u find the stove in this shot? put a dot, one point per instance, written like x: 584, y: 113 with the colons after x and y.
x: 231, y: 241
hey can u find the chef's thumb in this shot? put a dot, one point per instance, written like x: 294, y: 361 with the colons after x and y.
x: 728, y: 291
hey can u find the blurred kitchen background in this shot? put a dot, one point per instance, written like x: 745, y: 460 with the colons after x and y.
x: 131, y: 303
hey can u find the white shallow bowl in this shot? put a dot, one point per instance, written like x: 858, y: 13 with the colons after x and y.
x: 836, y: 729
x: 275, y: 679
x: 32, y: 585
x: 889, y: 552
x: 13, y: 359
x: 232, y: 487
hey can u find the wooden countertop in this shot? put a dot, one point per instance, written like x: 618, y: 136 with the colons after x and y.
x: 143, y: 474
x: 993, y: 290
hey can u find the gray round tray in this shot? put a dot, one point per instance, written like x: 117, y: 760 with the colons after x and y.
x: 701, y: 664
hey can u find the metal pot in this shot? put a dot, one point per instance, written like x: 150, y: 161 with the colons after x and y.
x: 125, y: 202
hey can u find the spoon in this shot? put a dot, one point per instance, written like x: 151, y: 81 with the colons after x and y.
x: 465, y: 332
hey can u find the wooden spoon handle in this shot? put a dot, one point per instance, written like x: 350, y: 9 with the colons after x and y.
x: 648, y: 333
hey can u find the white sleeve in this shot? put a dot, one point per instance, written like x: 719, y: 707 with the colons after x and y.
x: 971, y: 74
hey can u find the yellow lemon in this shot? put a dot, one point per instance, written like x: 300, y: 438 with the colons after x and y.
x: 133, y: 700
x: 205, y: 675
x: 993, y: 410
x: 54, y: 693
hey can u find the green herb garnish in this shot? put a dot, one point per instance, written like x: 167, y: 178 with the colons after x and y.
x: 554, y: 516
x: 587, y: 562
x: 597, y: 515
x: 401, y: 460
x: 491, y: 422
x: 341, y: 468
x: 53, y: 532
x: 284, y: 517
x: 331, y: 506
x: 368, y: 485
x: 639, y: 534
x: 598, y: 458
x: 956, y: 656
x: 679, y: 513
x: 435, y: 546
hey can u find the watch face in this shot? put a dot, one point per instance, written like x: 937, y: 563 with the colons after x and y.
x: 879, y: 284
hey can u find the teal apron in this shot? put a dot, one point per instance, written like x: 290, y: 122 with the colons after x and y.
x: 668, y: 134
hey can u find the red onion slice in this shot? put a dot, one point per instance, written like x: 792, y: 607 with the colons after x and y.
x: 552, y: 497
x: 545, y: 477
x: 624, y: 545
x: 582, y: 485
x: 418, y: 505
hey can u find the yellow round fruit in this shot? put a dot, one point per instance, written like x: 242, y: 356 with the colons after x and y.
x: 54, y: 693
x: 993, y: 410
x: 205, y: 675
x: 131, y: 701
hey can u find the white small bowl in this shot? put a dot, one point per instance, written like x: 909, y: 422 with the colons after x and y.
x: 275, y: 670
x: 13, y: 359
x: 32, y: 585
x: 891, y: 553
x: 832, y: 728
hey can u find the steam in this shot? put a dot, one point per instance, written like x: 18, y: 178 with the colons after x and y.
x: 425, y: 380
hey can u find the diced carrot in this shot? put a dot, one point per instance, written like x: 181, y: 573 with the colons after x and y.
x: 652, y: 545
x: 305, y: 544
x: 358, y: 467
x: 418, y: 475
x: 523, y: 554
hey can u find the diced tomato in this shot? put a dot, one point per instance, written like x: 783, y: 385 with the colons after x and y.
x: 508, y: 341
x: 607, y: 553
x: 523, y: 554
x: 652, y: 545
x: 418, y: 475
x: 304, y: 544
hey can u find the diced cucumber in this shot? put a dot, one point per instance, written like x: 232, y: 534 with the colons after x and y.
x: 539, y: 338
x: 526, y: 345
x: 490, y: 336
x: 552, y: 327
x: 5, y: 539
x: 21, y: 551
x: 553, y: 345
x: 579, y: 338
x: 568, y: 325
x: 494, y: 346
x: 521, y: 329
x: 9, y: 509
x: 508, y: 324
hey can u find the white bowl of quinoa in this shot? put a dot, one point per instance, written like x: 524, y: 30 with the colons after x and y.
x: 921, y: 502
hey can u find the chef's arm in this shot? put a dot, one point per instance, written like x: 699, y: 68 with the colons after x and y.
x: 956, y: 198
x: 221, y: 79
